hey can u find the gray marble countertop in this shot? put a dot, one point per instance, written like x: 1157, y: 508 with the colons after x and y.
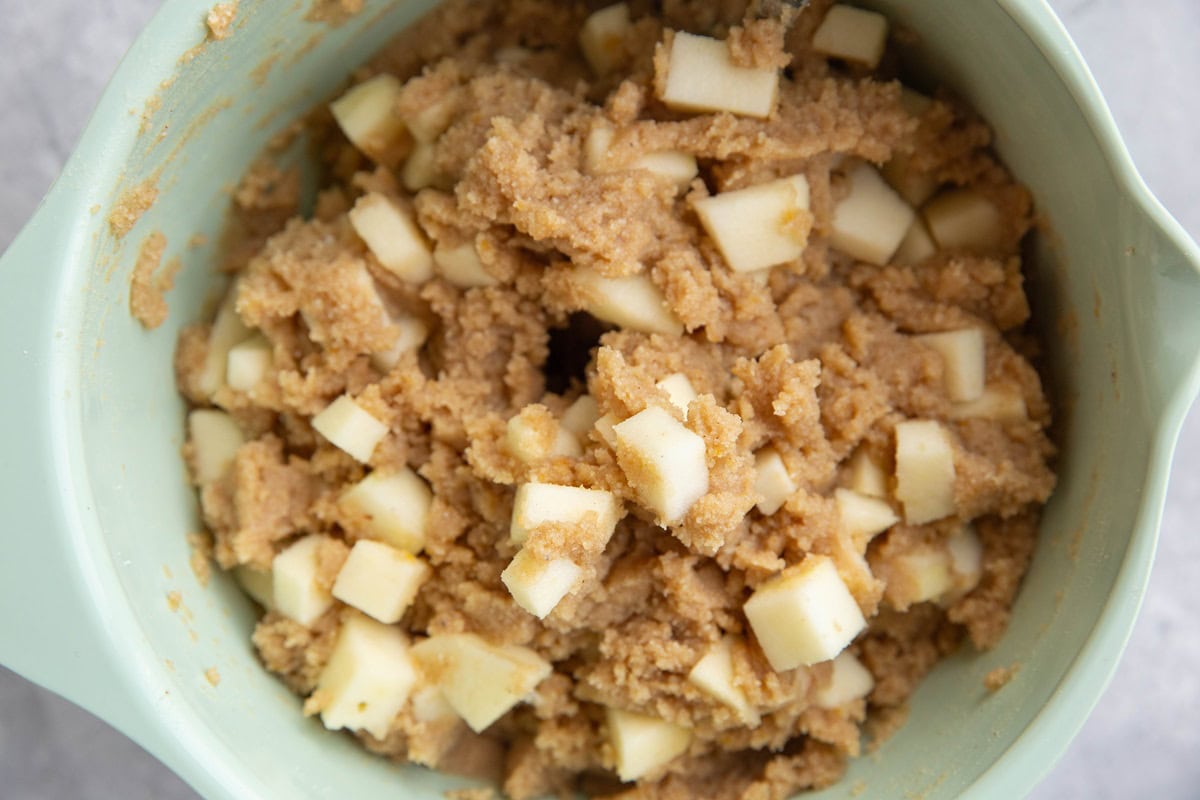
x: 1143, y: 739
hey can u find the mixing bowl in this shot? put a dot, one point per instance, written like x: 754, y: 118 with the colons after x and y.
x: 94, y: 488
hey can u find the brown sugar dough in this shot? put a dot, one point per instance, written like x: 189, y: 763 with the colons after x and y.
x: 815, y: 359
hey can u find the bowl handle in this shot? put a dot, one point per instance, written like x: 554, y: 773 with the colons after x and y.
x: 1163, y: 271
x: 52, y: 630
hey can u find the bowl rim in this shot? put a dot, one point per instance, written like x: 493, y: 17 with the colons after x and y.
x: 173, y: 731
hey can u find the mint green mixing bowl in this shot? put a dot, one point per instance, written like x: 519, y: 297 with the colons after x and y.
x: 98, y: 508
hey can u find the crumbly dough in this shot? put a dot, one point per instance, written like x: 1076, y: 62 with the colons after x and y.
x: 817, y: 359
x: 220, y: 19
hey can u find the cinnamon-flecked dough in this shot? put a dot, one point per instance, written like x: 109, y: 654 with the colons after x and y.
x: 816, y: 359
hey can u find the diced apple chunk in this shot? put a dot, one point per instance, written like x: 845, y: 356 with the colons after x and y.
x: 351, y: 429
x: 368, y: 679
x: 919, y: 577
x: 461, y: 266
x: 632, y: 302
x: 539, y: 504
x: 863, y: 517
x: 537, y: 584
x: 392, y: 235
x: 966, y: 558
x: 760, y: 226
x: 643, y: 743
x: 248, y: 363
x: 294, y: 587
x: 965, y: 219
x: 215, y: 438
x: 1003, y: 402
x: 431, y: 121
x: 962, y: 353
x: 679, y: 389
x: 663, y: 461
x: 852, y: 34
x: 916, y: 246
x: 394, y: 506
x: 602, y: 38
x: 804, y: 615
x: 915, y: 103
x: 713, y: 674
x: 380, y: 580
x: 481, y: 681
x: 675, y: 166
x: 227, y: 330
x: 701, y: 76
x: 772, y: 481
x: 411, y: 333
x: 866, y: 476
x: 420, y: 168
x: 531, y: 443
x: 258, y: 583
x: 596, y: 146
x: 429, y: 705
x: 872, y: 220
x: 604, y: 429
x: 366, y: 113
x: 914, y: 186
x: 849, y: 681
x: 924, y: 471
x: 580, y: 417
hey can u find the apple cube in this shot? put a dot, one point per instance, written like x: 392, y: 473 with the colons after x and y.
x: 866, y: 476
x: 772, y: 481
x: 581, y: 416
x: 429, y: 705
x: 713, y: 674
x: 962, y: 352
x: 643, y: 743
x: 461, y: 266
x: 259, y: 584
x: 663, y: 461
x: 872, y: 220
x: 1003, y: 402
x: 915, y: 187
x: 966, y: 558
x: 924, y: 471
x: 760, y: 226
x: 431, y: 121
x: 965, y: 219
x: 702, y: 77
x: 394, y: 505
x: 804, y: 615
x: 849, y: 681
x: 916, y: 246
x: 411, y: 334
x: 679, y: 390
x: 248, y: 363
x: 380, y: 580
x: 915, y: 103
x: 420, y: 169
x: 530, y: 443
x: 227, y: 330
x: 368, y: 678
x: 215, y: 438
x: 604, y: 429
x: 351, y: 429
x: 596, y: 146
x: 602, y: 38
x: 919, y: 577
x: 481, y: 681
x: 675, y: 166
x: 538, y: 504
x: 852, y: 34
x: 537, y: 584
x: 366, y: 113
x: 392, y: 235
x: 294, y: 585
x: 632, y: 302
x: 863, y: 517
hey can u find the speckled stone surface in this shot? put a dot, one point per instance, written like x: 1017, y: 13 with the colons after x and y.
x: 1143, y: 739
